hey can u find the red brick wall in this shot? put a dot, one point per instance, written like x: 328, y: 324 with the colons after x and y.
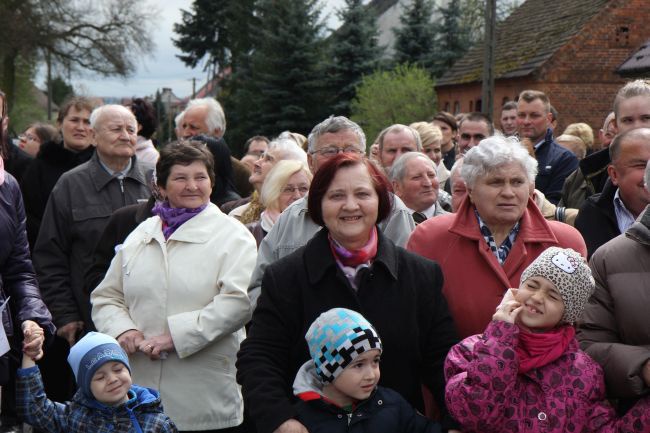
x: 580, y: 78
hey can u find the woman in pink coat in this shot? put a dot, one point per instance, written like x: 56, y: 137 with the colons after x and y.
x: 526, y: 371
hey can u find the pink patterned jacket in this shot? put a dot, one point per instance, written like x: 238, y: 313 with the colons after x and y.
x: 484, y: 392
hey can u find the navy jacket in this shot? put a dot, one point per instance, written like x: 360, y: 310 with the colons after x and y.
x: 555, y: 163
x: 17, y: 277
x: 384, y: 412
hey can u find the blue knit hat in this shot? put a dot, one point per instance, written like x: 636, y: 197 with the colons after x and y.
x: 90, y: 353
x: 336, y: 338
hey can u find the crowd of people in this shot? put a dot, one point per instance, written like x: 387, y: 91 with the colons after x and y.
x: 453, y: 275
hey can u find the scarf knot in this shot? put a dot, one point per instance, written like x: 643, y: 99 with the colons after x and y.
x: 174, y: 217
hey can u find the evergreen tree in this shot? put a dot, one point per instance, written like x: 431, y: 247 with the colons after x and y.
x: 217, y: 30
x: 414, y: 40
x: 61, y: 89
x: 353, y: 53
x: 164, y: 132
x: 286, y: 88
x: 452, y: 39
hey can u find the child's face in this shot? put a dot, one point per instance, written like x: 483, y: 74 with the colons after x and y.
x: 543, y: 304
x: 111, y: 383
x: 358, y: 379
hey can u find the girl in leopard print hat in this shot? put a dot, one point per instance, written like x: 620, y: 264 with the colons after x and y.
x: 526, y: 371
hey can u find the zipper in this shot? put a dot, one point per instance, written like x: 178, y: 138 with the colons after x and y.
x: 121, y: 179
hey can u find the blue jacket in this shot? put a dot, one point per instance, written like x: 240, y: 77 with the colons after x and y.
x: 143, y: 413
x: 555, y: 163
x: 17, y: 278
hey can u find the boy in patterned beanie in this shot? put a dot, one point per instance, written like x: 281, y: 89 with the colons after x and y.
x: 106, y: 401
x: 526, y: 372
x: 338, y: 386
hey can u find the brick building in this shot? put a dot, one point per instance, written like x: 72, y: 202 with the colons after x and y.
x: 570, y: 49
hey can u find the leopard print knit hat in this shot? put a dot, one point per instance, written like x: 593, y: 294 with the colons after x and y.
x: 569, y: 272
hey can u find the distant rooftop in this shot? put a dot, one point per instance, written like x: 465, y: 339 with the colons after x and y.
x: 526, y: 39
x: 638, y: 64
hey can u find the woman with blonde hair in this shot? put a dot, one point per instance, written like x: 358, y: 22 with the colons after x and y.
x: 431, y: 136
x: 287, y: 181
x: 583, y: 132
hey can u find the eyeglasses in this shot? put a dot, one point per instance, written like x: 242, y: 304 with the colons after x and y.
x: 329, y: 152
x: 27, y: 137
x: 289, y: 189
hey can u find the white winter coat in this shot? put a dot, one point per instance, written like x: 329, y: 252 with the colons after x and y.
x: 193, y: 286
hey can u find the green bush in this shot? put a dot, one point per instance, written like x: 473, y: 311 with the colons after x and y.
x: 402, y: 95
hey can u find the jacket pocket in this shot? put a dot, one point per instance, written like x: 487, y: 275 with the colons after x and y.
x: 91, y: 211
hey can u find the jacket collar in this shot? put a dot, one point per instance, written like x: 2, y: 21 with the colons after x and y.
x: 319, y: 258
x: 101, y: 177
x: 605, y: 201
x: 533, y: 228
x: 198, y: 230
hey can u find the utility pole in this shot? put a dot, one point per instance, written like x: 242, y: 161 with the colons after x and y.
x: 193, y: 87
x: 487, y: 94
x: 49, y: 85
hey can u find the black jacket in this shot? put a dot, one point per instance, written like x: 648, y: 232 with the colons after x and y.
x: 17, y: 277
x: 596, y: 220
x: 75, y: 217
x: 400, y: 294
x: 119, y: 226
x: 17, y: 161
x: 384, y: 412
x: 40, y: 177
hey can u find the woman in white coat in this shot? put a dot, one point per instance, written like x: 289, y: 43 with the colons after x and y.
x: 175, y: 296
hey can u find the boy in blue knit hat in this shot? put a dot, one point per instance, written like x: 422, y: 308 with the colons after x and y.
x: 338, y: 386
x: 106, y: 400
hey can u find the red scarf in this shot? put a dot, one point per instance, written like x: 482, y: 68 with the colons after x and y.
x: 538, y: 349
x: 357, y: 257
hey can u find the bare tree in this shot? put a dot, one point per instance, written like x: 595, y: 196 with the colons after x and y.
x: 106, y: 37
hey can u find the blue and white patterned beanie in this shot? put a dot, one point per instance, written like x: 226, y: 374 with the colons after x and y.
x: 90, y: 353
x: 336, y: 338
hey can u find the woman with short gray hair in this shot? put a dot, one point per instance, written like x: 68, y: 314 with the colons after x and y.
x: 495, y: 233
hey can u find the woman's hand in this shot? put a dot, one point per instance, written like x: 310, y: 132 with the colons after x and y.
x: 509, y: 308
x: 130, y: 340
x: 291, y: 426
x: 157, y: 347
x: 69, y: 331
x: 34, y: 336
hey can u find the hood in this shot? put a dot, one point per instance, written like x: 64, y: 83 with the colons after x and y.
x: 307, y: 380
x: 640, y: 230
x: 138, y: 396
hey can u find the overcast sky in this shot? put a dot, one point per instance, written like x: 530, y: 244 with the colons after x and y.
x: 163, y: 68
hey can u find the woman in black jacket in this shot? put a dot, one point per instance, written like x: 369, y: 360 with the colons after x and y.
x: 24, y: 307
x: 55, y: 158
x: 348, y: 264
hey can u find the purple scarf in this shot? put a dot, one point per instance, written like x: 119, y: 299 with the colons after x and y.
x: 174, y: 217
